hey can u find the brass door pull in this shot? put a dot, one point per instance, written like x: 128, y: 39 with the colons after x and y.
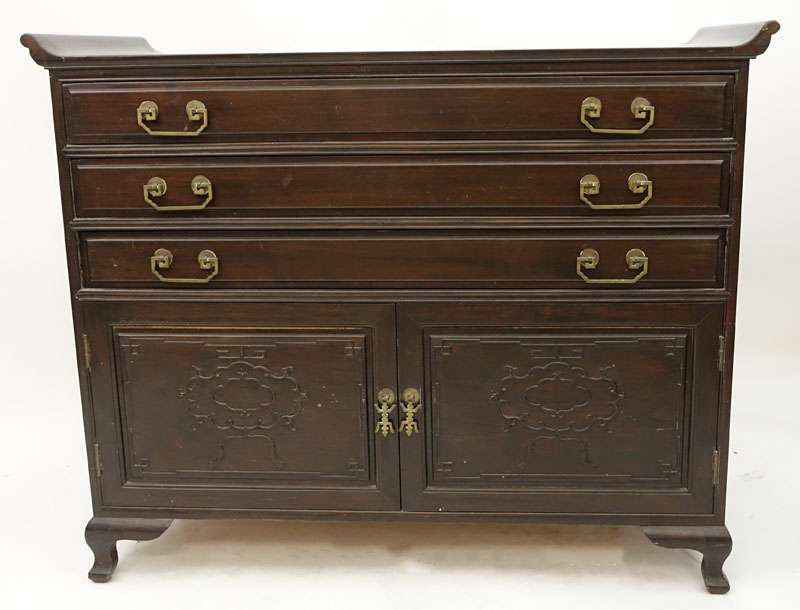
x: 410, y: 406
x: 637, y: 183
x: 156, y: 187
x: 641, y: 108
x: 195, y: 110
x: 162, y: 259
x: 635, y: 259
x: 385, y: 405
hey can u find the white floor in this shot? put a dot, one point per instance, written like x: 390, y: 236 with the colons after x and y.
x: 251, y: 564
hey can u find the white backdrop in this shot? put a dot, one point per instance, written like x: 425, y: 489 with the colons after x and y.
x: 44, y: 497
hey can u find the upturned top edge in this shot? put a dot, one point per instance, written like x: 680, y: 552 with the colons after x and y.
x: 54, y: 51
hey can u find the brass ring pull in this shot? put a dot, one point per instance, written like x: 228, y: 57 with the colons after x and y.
x: 641, y: 108
x: 195, y: 110
x: 637, y: 183
x: 410, y: 406
x: 162, y: 259
x: 156, y: 187
x: 635, y: 259
x: 385, y: 405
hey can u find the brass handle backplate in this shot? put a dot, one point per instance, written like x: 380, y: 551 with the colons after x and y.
x: 385, y: 405
x: 641, y: 108
x: 195, y: 110
x: 162, y: 259
x: 156, y: 187
x: 410, y: 405
x: 635, y: 259
x: 638, y: 183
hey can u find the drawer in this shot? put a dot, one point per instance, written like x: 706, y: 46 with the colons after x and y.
x: 375, y: 109
x: 554, y: 185
x: 402, y: 259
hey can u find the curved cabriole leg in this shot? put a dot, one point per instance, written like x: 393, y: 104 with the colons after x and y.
x: 102, y: 534
x: 713, y: 542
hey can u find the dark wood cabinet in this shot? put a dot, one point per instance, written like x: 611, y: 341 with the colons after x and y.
x: 461, y: 286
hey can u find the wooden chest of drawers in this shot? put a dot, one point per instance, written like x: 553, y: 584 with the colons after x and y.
x: 421, y: 286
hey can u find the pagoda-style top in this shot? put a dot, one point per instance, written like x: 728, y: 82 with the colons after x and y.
x: 741, y: 41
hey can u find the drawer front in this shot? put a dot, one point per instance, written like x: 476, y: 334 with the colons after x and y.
x: 394, y: 259
x: 442, y: 108
x: 668, y: 185
x: 561, y: 408
x: 406, y: 260
x: 227, y: 406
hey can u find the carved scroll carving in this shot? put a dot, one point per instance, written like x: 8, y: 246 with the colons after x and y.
x: 557, y: 401
x: 243, y: 401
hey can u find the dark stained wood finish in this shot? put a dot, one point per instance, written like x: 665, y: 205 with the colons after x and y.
x: 102, y: 534
x: 713, y: 542
x: 395, y: 220
x: 272, y: 411
x: 539, y: 407
x: 407, y: 260
x: 427, y: 186
x: 353, y: 109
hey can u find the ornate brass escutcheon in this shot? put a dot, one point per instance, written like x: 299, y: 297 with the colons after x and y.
x: 410, y: 405
x: 641, y: 108
x: 385, y: 405
x: 195, y: 110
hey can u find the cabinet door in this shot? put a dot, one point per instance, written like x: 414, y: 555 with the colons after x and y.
x: 560, y: 407
x: 242, y: 406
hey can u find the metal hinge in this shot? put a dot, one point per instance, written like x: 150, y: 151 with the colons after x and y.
x: 715, y: 468
x: 721, y: 354
x: 98, y: 466
x: 86, y: 353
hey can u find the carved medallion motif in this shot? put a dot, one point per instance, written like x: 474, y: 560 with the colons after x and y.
x: 557, y: 401
x: 243, y: 401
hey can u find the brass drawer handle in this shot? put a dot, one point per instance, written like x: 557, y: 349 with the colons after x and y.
x: 162, y: 259
x: 635, y: 258
x: 641, y: 108
x: 195, y: 110
x: 385, y: 405
x: 410, y: 406
x: 637, y: 183
x: 156, y: 187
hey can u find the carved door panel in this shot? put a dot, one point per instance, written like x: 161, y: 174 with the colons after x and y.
x: 561, y: 407
x: 272, y: 412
